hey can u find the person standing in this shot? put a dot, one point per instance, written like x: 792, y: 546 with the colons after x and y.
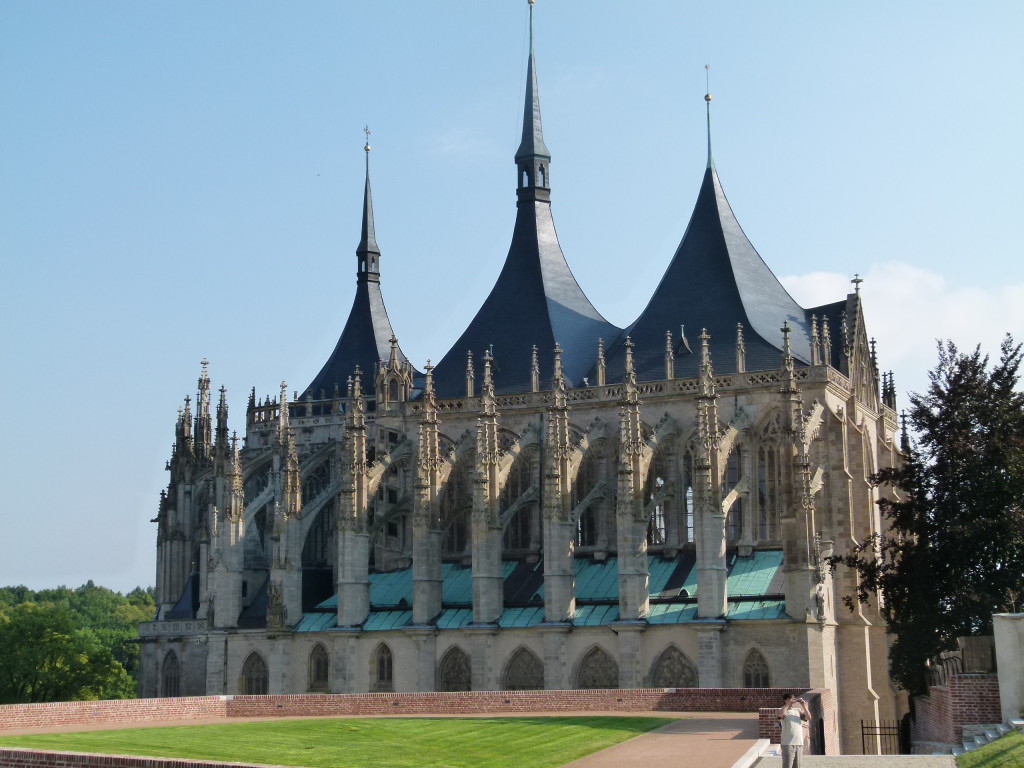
x: 792, y: 715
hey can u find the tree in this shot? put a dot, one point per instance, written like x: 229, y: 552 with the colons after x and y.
x: 45, y: 656
x: 103, y: 624
x: 953, y: 551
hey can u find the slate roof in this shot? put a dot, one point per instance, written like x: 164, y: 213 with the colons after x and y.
x: 536, y: 300
x: 715, y: 280
x: 754, y: 584
x: 365, y: 339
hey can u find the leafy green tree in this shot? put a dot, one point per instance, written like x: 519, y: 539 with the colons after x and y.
x: 45, y: 656
x: 953, y: 552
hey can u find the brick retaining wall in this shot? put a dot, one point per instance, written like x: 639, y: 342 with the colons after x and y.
x: 20, y: 716
x: 821, y: 703
x: 965, y: 700
x: 28, y: 758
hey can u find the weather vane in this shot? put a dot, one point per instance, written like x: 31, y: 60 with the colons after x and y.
x: 366, y: 130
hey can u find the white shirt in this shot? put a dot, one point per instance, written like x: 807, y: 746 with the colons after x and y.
x: 793, y: 727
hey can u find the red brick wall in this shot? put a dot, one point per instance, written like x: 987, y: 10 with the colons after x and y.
x: 17, y: 716
x: 27, y: 758
x: 968, y: 699
x: 20, y: 716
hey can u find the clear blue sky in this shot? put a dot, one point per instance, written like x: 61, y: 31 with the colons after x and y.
x: 180, y: 180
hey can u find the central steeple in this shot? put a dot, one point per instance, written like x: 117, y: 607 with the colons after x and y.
x: 532, y: 157
x: 536, y: 302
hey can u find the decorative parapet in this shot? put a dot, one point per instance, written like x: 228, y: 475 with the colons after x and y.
x: 174, y: 627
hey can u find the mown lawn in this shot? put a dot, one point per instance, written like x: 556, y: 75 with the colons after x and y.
x: 1004, y: 752
x: 493, y: 742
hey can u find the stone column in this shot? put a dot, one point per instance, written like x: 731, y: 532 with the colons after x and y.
x: 630, y: 635
x: 709, y: 654
x: 556, y: 669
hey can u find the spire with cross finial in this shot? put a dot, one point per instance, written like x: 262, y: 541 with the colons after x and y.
x: 536, y: 300
x: 366, y: 337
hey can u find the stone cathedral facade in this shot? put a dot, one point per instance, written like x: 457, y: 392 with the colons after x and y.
x: 559, y: 503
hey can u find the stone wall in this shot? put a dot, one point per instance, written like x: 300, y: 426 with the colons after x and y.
x: 1008, y: 629
x: 948, y: 710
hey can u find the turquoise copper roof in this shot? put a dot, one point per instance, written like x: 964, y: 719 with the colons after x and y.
x: 754, y: 584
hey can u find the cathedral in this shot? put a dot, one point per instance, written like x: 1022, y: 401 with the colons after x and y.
x: 559, y: 503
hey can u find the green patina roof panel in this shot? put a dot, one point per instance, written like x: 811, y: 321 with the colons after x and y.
x: 595, y: 615
x: 316, y: 622
x: 753, y: 575
x: 521, y: 617
x: 453, y: 618
x: 757, y: 609
x: 597, y: 580
x: 383, y: 620
x: 391, y: 588
x: 671, y: 613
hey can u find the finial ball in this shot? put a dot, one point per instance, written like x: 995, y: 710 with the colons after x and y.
x: 367, y: 148
x: 707, y: 97
x: 530, y: 1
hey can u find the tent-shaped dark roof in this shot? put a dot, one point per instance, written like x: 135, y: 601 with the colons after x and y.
x: 536, y: 301
x: 716, y: 280
x: 366, y: 338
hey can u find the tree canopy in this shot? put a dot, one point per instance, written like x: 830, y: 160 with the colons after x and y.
x: 953, y: 551
x: 69, y: 644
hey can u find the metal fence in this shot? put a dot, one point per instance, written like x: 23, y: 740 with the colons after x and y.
x: 883, y: 737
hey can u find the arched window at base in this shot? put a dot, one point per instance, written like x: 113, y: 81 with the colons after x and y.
x: 455, y: 672
x: 755, y: 671
x: 673, y: 669
x: 319, y: 669
x: 170, y: 676
x: 255, y: 680
x: 382, y: 670
x: 525, y: 672
x: 597, y: 670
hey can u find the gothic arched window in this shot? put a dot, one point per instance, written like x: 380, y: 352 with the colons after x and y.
x: 586, y: 482
x: 673, y: 669
x: 768, y: 496
x: 455, y: 672
x: 755, y: 671
x: 733, y: 472
x: 656, y: 498
x: 522, y: 531
x: 455, y: 505
x: 382, y: 670
x: 170, y: 676
x: 688, y: 496
x: 316, y: 482
x: 525, y: 672
x: 319, y: 669
x: 597, y: 670
x: 255, y: 679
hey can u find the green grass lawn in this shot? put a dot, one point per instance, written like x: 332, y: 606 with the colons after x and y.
x: 493, y: 742
x: 1004, y: 752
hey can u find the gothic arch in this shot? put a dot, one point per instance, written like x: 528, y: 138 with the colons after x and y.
x: 319, y: 669
x: 170, y: 676
x: 597, y: 669
x: 455, y: 506
x: 455, y: 673
x: 673, y: 669
x: 519, y: 504
x: 319, y: 557
x: 255, y: 678
x: 523, y: 672
x: 756, y: 673
x: 382, y: 669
